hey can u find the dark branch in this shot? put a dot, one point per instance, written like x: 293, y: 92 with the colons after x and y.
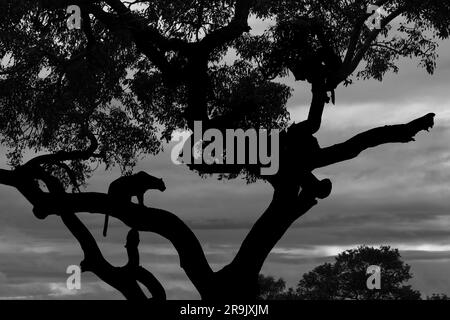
x: 164, y: 223
x: 237, y: 26
x: 319, y: 100
x: 61, y: 156
x: 119, y: 278
x: 153, y: 285
x: 122, y: 279
x: 356, y: 32
x: 402, y: 133
x: 359, y: 55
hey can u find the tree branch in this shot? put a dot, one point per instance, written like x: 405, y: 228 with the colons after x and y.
x: 319, y: 100
x: 145, y: 38
x: 8, y: 178
x: 164, y: 223
x: 356, y: 32
x: 153, y: 285
x: 402, y: 133
x: 57, y: 202
x: 61, y: 156
x: 237, y: 26
x: 359, y: 55
x: 122, y: 279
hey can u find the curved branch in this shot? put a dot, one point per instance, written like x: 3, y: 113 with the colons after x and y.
x: 402, y: 133
x: 356, y: 32
x: 151, y: 283
x: 70, y: 173
x: 237, y: 26
x: 148, y: 40
x: 66, y: 155
x: 359, y: 55
x: 164, y: 223
x: 123, y: 279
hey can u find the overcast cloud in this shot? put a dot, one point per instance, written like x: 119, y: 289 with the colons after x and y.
x: 396, y: 195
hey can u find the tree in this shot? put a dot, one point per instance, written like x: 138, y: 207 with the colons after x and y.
x: 346, y: 277
x: 99, y: 96
x: 269, y: 288
x: 438, y: 296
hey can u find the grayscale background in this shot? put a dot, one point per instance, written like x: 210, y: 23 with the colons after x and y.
x: 402, y: 200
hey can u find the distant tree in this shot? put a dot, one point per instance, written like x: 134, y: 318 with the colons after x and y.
x: 346, y: 278
x: 319, y: 284
x: 269, y: 288
x: 438, y: 296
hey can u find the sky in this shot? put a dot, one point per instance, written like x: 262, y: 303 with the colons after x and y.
x: 397, y: 195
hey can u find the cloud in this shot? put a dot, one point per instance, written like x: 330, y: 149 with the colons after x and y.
x: 395, y: 194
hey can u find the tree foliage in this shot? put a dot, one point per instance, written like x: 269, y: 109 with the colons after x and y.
x: 346, y: 277
x: 56, y: 81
